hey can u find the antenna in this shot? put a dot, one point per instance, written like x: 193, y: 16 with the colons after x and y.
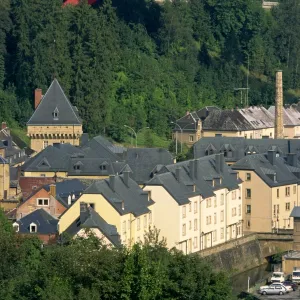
x: 243, y: 89
x: 247, y: 99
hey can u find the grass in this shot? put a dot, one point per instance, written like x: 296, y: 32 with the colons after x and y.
x: 21, y: 134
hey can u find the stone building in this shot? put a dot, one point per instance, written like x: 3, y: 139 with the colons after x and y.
x: 54, y: 120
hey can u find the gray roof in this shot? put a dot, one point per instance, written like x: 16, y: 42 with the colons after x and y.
x: 273, y: 174
x: 91, y: 219
x: 258, y: 116
x: 226, y: 120
x: 55, y: 100
x: 143, y: 161
x: 295, y: 212
x: 46, y: 224
x: 240, y: 147
x: 134, y: 199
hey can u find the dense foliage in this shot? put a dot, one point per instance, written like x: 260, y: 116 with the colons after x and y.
x: 85, y: 269
x: 144, y: 64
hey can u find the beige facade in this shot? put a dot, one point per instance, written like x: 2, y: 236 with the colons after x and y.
x: 43, y: 136
x: 4, y: 181
x: 131, y: 229
x: 266, y: 209
x: 249, y: 134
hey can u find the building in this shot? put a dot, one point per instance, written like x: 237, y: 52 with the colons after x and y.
x: 203, y: 198
x: 120, y: 202
x: 54, y: 120
x: 269, y: 4
x: 270, y: 190
x: 89, y: 222
x: 54, y: 198
x: 39, y: 223
x: 235, y: 148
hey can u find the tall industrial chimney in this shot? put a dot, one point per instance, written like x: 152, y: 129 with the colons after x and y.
x: 279, y: 107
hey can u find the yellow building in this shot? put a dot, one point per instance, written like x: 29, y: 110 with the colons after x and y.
x: 54, y: 120
x: 120, y: 202
x: 4, y: 179
x: 270, y: 191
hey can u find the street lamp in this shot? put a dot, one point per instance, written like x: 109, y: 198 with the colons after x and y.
x: 176, y: 138
x: 134, y: 134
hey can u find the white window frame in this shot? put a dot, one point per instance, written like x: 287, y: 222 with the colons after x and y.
x: 33, y: 225
x: 43, y: 200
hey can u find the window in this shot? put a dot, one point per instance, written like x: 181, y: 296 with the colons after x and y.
x: 183, y: 229
x: 222, y: 216
x: 277, y: 208
x: 42, y: 202
x: 208, y: 220
x: 287, y: 191
x: 233, y: 212
x: 195, y: 242
x: 190, y: 224
x: 287, y: 206
x: 208, y: 202
x: 145, y: 221
x: 294, y: 189
x: 183, y: 211
x: 215, y: 218
x: 16, y: 226
x: 102, y: 167
x: 215, y: 202
x: 248, y: 209
x: 240, y: 210
x: 190, y: 207
x: 195, y: 224
x: 45, y: 144
x: 124, y: 227
x: 215, y: 235
x: 195, y: 207
x: 76, y: 167
x: 248, y: 193
x: 33, y: 227
x: 277, y: 193
x: 233, y: 195
x: 138, y: 224
x: 248, y: 176
x: 150, y: 217
x: 222, y: 199
x: 222, y: 233
x: 191, y: 138
x: 248, y: 224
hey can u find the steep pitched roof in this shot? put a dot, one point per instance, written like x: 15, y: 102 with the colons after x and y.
x: 45, y: 223
x: 55, y: 100
x: 295, y: 212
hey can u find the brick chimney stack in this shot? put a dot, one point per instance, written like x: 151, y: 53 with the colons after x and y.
x: 3, y: 125
x: 37, y: 97
x: 279, y: 107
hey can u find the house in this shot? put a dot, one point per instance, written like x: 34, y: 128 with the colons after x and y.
x: 54, y: 120
x: 188, y: 129
x: 144, y: 162
x: 76, y: 2
x: 90, y: 222
x: 54, y: 198
x: 39, y: 223
x: 120, y: 202
x: 271, y: 184
x: 202, y: 198
x: 235, y: 148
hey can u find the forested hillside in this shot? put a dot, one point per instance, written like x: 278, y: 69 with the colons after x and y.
x: 143, y: 64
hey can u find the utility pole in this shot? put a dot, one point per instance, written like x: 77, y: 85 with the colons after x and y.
x: 242, y: 89
x: 247, y: 104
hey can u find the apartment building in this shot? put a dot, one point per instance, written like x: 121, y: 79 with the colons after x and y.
x: 270, y: 190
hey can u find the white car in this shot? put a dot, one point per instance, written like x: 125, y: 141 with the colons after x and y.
x: 276, y: 285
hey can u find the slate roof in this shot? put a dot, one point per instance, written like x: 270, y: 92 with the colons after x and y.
x: 46, y: 224
x: 291, y: 116
x: 55, y: 99
x: 135, y: 200
x: 261, y: 165
x: 143, y: 161
x: 226, y: 120
x: 258, y: 116
x: 242, y: 147
x: 91, y: 219
x: 295, y: 212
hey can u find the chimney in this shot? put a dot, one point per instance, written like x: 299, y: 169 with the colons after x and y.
x: 53, y: 190
x: 191, y: 168
x: 187, y: 113
x: 292, y: 159
x: 271, y: 156
x: 222, y: 162
x: 279, y: 107
x: 218, y: 163
x: 112, y: 182
x: 177, y: 174
x: 126, y: 178
x: 196, y: 168
x: 69, y: 200
x: 3, y: 125
x: 37, y: 97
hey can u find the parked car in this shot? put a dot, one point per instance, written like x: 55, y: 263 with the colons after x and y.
x: 293, y: 285
x: 274, y: 290
x: 277, y: 277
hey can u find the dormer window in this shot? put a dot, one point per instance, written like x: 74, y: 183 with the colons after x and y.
x: 55, y: 114
x: 103, y: 167
x: 33, y: 228
x: 76, y: 167
x: 16, y: 227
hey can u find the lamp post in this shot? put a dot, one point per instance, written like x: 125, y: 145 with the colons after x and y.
x: 134, y: 134
x: 177, y: 137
